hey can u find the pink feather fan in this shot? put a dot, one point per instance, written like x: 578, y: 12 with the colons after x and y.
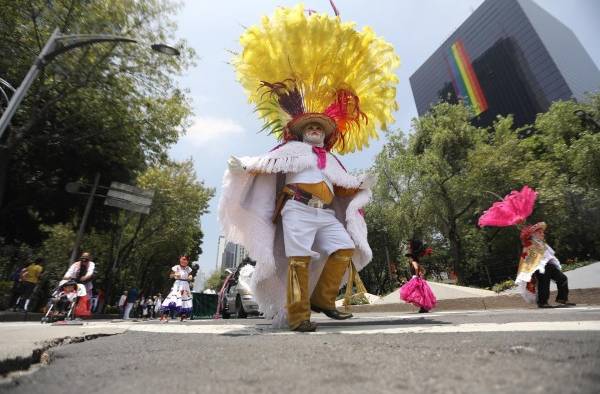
x: 513, y: 209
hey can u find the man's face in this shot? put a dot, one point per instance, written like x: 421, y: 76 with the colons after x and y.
x: 539, y: 234
x: 313, y: 134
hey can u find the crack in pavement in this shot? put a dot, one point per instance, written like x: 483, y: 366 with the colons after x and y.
x: 39, y: 356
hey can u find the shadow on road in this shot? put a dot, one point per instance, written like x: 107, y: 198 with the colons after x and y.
x: 387, y: 322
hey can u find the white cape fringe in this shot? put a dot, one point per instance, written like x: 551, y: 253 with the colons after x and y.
x: 246, y: 210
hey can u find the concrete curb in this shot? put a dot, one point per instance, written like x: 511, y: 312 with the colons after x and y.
x: 578, y: 296
x: 9, y: 316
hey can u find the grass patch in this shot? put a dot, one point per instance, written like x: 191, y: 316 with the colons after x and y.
x: 572, y: 264
x: 500, y: 287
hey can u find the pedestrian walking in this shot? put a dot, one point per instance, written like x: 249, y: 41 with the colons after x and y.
x: 157, y: 304
x: 122, y: 302
x: 82, y: 271
x: 29, y: 279
x: 15, y: 278
x: 132, y: 296
x: 150, y: 307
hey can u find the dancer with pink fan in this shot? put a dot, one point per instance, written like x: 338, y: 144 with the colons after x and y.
x: 416, y: 291
x: 537, y: 264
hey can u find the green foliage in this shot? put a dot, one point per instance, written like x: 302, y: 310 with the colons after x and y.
x: 500, y: 287
x: 359, y: 299
x: 572, y: 264
x: 56, y: 249
x: 111, y: 310
x: 5, y: 292
x: 435, y: 183
x: 107, y: 108
x: 215, y: 280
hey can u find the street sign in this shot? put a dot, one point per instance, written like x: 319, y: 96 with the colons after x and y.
x: 114, y: 202
x: 129, y: 197
x: 118, y: 186
x: 132, y: 198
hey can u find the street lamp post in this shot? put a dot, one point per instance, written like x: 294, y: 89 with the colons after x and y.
x: 56, y: 45
x: 5, y: 84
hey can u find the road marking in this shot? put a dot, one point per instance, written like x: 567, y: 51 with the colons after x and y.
x: 592, y: 325
x: 196, y: 329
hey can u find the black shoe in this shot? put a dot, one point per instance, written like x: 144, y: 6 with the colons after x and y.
x: 332, y: 313
x: 544, y: 306
x: 565, y: 303
x: 306, y: 326
x: 423, y: 310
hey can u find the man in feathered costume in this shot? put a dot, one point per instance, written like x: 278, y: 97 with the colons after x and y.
x: 320, y: 86
x: 537, y: 264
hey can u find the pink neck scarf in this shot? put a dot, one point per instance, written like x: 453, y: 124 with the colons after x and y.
x: 321, y: 156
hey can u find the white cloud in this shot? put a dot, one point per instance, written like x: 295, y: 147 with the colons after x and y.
x: 206, y: 129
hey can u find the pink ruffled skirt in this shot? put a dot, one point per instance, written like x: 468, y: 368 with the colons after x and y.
x: 417, y: 292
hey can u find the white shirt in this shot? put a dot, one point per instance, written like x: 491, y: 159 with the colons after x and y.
x: 74, y: 270
x: 309, y: 175
x: 122, y: 300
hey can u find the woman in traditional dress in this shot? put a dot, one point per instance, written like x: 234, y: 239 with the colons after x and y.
x: 179, y: 299
x: 416, y: 291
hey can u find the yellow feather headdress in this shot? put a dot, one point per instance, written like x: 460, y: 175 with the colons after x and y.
x: 293, y: 64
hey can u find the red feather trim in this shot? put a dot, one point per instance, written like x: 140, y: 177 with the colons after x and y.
x: 345, y: 110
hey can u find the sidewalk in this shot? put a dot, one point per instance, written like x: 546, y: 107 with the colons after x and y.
x: 578, y: 296
x: 6, y: 316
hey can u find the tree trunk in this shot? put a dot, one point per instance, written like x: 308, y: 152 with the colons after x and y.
x: 456, y: 249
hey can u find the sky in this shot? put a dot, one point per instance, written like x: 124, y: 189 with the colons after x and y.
x: 224, y: 123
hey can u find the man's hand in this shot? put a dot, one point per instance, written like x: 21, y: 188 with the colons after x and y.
x: 235, y: 165
x: 368, y: 181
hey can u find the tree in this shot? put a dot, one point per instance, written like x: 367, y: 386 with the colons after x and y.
x: 215, y: 280
x: 144, y: 247
x: 435, y: 183
x: 563, y: 164
x: 108, y: 108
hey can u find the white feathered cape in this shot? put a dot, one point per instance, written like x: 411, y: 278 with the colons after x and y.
x: 246, y: 209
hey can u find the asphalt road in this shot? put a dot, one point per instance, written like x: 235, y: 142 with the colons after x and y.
x: 549, y: 351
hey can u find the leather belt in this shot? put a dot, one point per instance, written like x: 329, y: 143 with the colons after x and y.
x: 297, y: 194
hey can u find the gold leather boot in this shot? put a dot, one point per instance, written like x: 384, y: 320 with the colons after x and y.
x: 298, y: 303
x: 328, y: 286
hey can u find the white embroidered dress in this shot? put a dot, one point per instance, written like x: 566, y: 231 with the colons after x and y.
x: 180, y: 298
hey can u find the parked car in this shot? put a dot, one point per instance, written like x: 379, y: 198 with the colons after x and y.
x: 236, y: 298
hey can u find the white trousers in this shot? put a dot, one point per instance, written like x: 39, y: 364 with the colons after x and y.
x: 128, y: 307
x: 305, y: 227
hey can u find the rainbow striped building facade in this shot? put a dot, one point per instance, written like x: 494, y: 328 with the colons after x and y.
x: 464, y: 80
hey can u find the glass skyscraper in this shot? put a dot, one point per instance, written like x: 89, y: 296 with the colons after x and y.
x: 508, y: 57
